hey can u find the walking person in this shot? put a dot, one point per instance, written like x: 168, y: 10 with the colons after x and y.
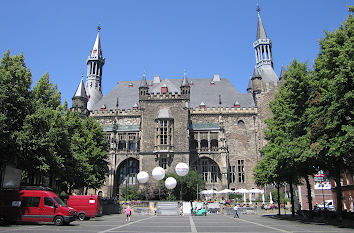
x: 128, y: 212
x: 236, y: 211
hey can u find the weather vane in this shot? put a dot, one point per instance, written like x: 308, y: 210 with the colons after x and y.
x: 258, y: 8
x: 99, y: 27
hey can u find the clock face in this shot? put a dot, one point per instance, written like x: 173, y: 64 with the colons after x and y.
x: 94, y: 51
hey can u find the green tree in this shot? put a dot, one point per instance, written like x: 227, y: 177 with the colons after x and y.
x: 186, y: 186
x: 331, y: 105
x: 44, y: 138
x: 15, y: 98
x: 286, y: 131
x: 95, y: 153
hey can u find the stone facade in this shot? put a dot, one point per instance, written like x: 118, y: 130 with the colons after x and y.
x: 205, y: 123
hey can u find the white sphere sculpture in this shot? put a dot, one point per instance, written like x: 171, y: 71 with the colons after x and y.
x: 170, y: 183
x: 182, y: 169
x: 158, y: 173
x: 142, y: 177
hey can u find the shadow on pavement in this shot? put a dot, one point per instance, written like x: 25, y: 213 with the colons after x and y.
x: 346, y: 223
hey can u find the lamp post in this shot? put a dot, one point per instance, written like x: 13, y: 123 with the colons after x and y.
x: 127, y: 178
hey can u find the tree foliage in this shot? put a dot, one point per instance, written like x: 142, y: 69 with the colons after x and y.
x: 330, y: 113
x: 188, y: 184
x: 42, y: 136
x: 15, y: 99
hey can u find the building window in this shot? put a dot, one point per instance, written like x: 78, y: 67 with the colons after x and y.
x: 128, y: 171
x: 214, y: 173
x: 204, y: 145
x: 214, y: 142
x: 241, y: 171
x: 241, y: 123
x: 232, y: 174
x: 164, y: 134
x: 205, y: 170
x: 132, y: 142
x: 163, y: 162
x: 209, y: 170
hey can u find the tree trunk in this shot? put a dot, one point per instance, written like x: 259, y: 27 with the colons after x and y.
x: 86, y: 190
x: 292, y: 198
x: 339, y: 194
x: 309, y: 196
x: 278, y: 188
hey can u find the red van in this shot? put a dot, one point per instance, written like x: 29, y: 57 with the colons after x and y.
x: 38, y: 204
x: 87, y: 206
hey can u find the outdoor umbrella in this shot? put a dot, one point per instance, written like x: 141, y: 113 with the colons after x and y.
x: 270, y: 198
x: 226, y: 191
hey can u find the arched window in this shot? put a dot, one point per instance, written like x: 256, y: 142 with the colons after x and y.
x: 121, y: 145
x: 128, y: 170
x: 209, y: 170
x: 204, y: 145
x: 241, y: 123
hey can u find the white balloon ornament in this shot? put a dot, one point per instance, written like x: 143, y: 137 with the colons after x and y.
x: 142, y: 177
x: 170, y: 183
x: 182, y: 169
x: 158, y: 173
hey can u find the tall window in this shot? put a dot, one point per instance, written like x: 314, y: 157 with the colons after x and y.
x: 163, y: 162
x: 205, y: 170
x: 232, y: 174
x: 209, y: 170
x: 214, y: 142
x: 132, y: 142
x: 163, y: 132
x: 128, y: 171
x: 241, y: 171
x: 214, y: 173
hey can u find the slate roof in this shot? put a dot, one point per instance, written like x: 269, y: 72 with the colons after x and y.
x: 201, y: 91
x: 261, y: 34
x: 80, y: 91
x: 204, y: 126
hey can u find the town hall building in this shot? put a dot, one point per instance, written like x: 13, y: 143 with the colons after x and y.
x: 204, y: 122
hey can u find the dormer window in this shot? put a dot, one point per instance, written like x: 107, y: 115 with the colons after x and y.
x: 212, y: 83
x: 164, y: 89
x: 202, y: 105
x: 103, y: 107
x: 191, y: 83
x: 130, y: 85
x: 135, y: 107
x: 236, y: 104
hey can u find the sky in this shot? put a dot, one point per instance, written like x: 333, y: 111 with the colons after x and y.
x: 162, y: 37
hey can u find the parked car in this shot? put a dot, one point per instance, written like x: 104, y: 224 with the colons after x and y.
x: 40, y: 204
x: 328, y: 205
x: 87, y: 206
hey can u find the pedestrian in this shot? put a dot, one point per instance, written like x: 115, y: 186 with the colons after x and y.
x: 236, y: 211
x: 128, y: 211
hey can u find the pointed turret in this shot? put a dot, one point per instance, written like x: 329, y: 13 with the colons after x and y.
x: 261, y: 34
x: 95, y: 62
x: 143, y: 82
x: 143, y: 88
x: 263, y: 52
x: 185, y: 88
x: 79, y: 100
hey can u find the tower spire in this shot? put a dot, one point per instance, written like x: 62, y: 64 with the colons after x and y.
x: 263, y: 51
x: 95, y: 62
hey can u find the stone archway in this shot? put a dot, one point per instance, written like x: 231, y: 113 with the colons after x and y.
x: 126, y: 174
x: 210, y: 171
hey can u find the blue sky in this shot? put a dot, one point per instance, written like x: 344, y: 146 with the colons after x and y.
x: 162, y: 37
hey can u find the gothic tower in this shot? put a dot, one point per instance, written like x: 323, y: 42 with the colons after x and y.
x: 79, y: 100
x: 263, y: 52
x: 185, y: 88
x: 264, y: 82
x: 95, y: 62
